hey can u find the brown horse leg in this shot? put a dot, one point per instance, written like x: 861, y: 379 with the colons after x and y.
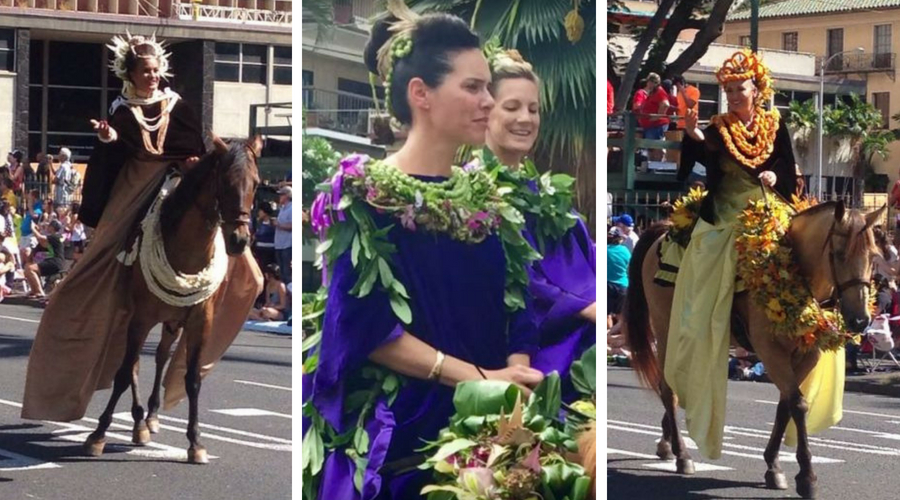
x: 169, y: 334
x: 806, y: 478
x: 684, y: 464
x: 96, y: 441
x: 775, y: 479
x: 664, y: 446
x: 140, y: 435
x: 196, y: 338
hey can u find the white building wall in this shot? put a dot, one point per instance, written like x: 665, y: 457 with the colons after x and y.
x: 231, y: 107
x: 7, y: 112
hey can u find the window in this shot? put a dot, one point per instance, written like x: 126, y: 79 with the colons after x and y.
x: 882, y: 46
x: 244, y: 63
x: 789, y: 41
x: 835, y: 38
x: 7, y: 50
x: 709, y: 101
x: 308, y: 82
x: 882, y: 102
x: 281, y: 71
x: 745, y: 41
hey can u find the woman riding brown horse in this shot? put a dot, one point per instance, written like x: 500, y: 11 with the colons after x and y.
x: 81, y: 341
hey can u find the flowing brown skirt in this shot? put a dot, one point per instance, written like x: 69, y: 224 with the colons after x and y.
x: 80, y: 343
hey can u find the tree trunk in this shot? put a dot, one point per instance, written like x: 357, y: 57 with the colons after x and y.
x: 712, y: 31
x: 680, y: 20
x: 634, y: 66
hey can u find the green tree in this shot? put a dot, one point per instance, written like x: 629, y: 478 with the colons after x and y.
x: 536, y: 28
x: 859, y: 129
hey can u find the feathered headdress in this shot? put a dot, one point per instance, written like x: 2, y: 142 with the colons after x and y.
x: 121, y: 46
x: 402, y: 29
x: 747, y: 65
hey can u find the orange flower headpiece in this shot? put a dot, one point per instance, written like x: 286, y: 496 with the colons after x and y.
x: 747, y: 65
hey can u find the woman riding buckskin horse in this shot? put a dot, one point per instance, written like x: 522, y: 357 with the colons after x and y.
x: 80, y: 342
x: 741, y: 149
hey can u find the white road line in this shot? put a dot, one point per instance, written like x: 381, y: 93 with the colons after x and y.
x: 852, y: 412
x: 666, y: 465
x: 20, y: 319
x: 150, y: 450
x: 251, y: 412
x: 247, y: 382
x: 127, y: 417
x: 18, y: 462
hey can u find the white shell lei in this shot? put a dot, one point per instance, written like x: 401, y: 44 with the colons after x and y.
x: 168, y: 285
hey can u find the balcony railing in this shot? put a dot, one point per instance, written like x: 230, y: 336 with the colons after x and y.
x: 336, y: 110
x: 860, y: 63
x: 237, y: 15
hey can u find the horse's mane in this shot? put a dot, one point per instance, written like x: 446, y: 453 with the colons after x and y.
x: 182, y: 198
x: 860, y: 240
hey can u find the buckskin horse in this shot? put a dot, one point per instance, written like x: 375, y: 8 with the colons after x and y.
x: 832, y: 247
x: 217, y: 192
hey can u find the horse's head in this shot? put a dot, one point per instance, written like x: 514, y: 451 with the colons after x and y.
x: 834, y: 247
x: 237, y: 177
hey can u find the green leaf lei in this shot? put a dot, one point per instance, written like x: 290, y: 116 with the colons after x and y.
x: 549, y: 200
x: 468, y: 207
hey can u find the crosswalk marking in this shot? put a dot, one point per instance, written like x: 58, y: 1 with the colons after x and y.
x: 247, y: 382
x: 11, y: 461
x: 250, y: 412
x: 742, y: 450
x: 666, y: 465
x: 282, y: 444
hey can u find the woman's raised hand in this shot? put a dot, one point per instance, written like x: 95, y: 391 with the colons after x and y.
x: 102, y: 128
x: 690, y: 125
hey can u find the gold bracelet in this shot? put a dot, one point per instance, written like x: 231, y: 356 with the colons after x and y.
x: 435, y: 373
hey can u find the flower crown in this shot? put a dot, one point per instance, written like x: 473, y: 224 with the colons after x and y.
x: 121, y: 46
x: 747, y: 65
x: 500, y: 58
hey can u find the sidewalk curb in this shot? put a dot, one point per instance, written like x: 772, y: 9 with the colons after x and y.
x: 887, y: 384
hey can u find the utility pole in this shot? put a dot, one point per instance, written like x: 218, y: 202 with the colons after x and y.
x: 754, y: 25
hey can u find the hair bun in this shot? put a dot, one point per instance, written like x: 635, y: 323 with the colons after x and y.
x: 381, y: 33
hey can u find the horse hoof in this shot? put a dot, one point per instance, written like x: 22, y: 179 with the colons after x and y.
x: 806, y: 488
x: 153, y: 425
x: 776, y: 480
x: 93, y: 447
x: 684, y: 466
x: 664, y: 451
x: 197, y: 456
x: 140, y: 436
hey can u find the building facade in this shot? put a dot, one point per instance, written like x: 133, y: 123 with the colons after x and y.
x: 837, y: 29
x: 338, y: 99
x: 227, y: 55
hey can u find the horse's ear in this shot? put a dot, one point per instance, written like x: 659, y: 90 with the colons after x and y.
x: 839, y: 211
x: 873, y: 218
x: 218, y: 143
x: 255, y: 144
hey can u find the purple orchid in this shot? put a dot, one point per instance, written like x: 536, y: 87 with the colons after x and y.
x: 350, y: 166
x: 318, y: 214
x: 408, y: 218
x: 475, y: 164
x: 371, y: 193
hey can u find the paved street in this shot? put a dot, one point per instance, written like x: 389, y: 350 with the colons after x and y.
x: 245, y: 415
x: 856, y: 459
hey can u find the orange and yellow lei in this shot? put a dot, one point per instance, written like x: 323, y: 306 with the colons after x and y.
x: 753, y: 145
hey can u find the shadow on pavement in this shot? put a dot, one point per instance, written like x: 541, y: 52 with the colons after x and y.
x: 622, y: 484
x: 13, y: 346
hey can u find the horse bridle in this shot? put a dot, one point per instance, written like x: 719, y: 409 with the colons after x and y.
x: 839, y: 287
x: 217, y: 180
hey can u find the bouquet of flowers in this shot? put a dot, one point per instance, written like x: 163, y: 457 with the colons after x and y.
x: 500, y: 446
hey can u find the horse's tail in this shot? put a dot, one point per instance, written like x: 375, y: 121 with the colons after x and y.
x: 636, y: 311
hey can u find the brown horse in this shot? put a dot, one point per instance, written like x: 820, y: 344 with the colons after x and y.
x: 217, y: 191
x: 832, y: 247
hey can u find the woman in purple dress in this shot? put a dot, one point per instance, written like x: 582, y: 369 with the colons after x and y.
x: 563, y: 283
x: 381, y: 379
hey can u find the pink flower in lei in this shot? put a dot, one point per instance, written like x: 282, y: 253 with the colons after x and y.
x: 408, y: 218
x: 479, y: 220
